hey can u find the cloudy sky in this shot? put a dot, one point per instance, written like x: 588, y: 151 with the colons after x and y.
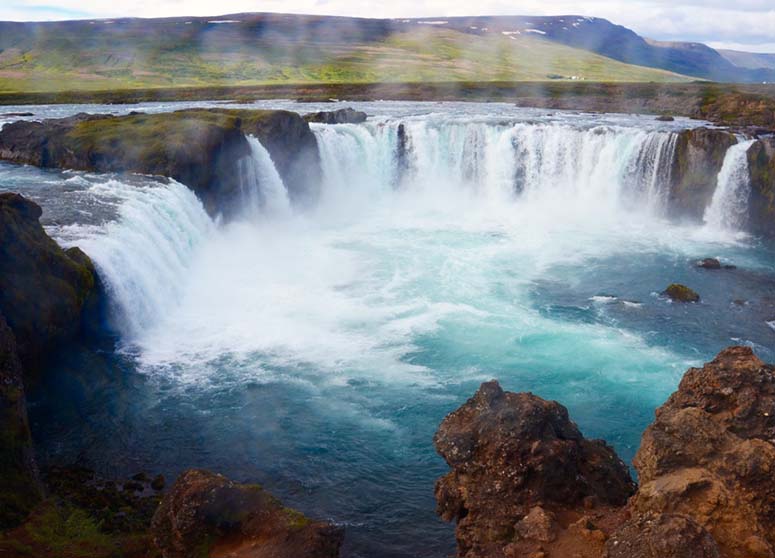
x: 741, y: 24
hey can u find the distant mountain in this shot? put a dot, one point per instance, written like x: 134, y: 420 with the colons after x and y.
x: 620, y: 43
x: 257, y: 48
x: 241, y: 49
x: 751, y: 60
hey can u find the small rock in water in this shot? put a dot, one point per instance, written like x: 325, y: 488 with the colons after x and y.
x: 709, y: 263
x: 158, y: 483
x: 681, y: 293
x: 665, y: 118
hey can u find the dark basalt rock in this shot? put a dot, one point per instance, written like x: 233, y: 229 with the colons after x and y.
x: 665, y: 118
x: 710, y: 454
x: 20, y: 488
x: 15, y: 114
x: 205, y: 514
x: 699, y: 154
x: 511, y: 453
x: 709, y: 263
x: 46, y: 293
x: 681, y: 293
x: 200, y: 148
x: 761, y: 162
x: 342, y: 116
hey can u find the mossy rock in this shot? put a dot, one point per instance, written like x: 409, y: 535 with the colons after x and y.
x: 681, y: 293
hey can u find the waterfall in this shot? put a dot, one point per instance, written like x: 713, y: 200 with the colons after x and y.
x: 729, y: 207
x: 600, y: 167
x: 143, y: 257
x: 261, y: 187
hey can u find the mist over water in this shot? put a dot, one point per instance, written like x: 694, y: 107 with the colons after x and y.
x: 316, y: 351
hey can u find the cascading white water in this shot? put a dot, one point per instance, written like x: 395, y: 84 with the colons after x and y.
x: 729, y: 207
x: 594, y: 168
x: 262, y: 188
x: 143, y: 257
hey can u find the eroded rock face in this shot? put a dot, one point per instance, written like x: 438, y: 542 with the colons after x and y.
x: 205, y: 514
x: 45, y: 291
x: 518, y: 462
x: 710, y: 454
x: 20, y: 488
x: 699, y: 154
x: 761, y: 162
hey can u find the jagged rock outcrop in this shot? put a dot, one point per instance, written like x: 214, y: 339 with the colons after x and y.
x: 518, y: 465
x: 20, y: 488
x: 706, y: 467
x: 46, y: 293
x: 699, y: 155
x: 710, y: 454
x: 200, y: 148
x: 205, y: 514
x: 346, y: 115
x: 761, y: 162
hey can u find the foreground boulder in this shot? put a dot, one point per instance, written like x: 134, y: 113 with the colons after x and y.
x: 205, y: 514
x: 200, y: 148
x: 20, y: 488
x: 520, y: 471
x: 710, y: 454
x: 45, y: 292
x: 524, y: 483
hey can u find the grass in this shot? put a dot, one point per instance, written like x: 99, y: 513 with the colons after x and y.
x: 58, y: 61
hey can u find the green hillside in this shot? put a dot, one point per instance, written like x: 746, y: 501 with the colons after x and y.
x: 141, y: 54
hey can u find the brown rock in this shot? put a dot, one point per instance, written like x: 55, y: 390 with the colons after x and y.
x: 709, y: 455
x: 681, y: 293
x: 538, y: 525
x: 661, y: 536
x: 205, y: 514
x: 511, y: 452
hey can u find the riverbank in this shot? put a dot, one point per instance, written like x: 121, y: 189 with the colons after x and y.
x: 727, y: 104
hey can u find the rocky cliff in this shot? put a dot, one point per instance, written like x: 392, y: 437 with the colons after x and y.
x: 761, y: 161
x: 46, y: 293
x: 200, y: 148
x: 705, y: 466
x: 699, y: 155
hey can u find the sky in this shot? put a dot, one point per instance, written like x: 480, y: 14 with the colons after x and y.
x: 736, y: 24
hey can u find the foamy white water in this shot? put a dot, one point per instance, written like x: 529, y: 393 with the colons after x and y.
x: 728, y: 209
x: 262, y: 188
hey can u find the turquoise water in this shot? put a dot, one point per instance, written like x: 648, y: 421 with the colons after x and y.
x: 317, y: 352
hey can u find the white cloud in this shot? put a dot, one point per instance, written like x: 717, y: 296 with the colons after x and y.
x: 749, y: 23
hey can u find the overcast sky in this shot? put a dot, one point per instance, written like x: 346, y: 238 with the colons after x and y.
x: 741, y: 24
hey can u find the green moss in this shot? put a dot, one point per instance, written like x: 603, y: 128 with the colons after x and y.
x: 296, y: 519
x: 71, y: 531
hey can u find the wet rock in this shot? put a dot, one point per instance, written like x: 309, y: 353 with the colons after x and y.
x: 661, y: 536
x: 207, y: 514
x: 20, y: 487
x: 342, y: 116
x: 665, y: 118
x: 709, y: 263
x: 45, y: 292
x: 761, y: 206
x: 15, y: 114
x: 681, y: 293
x: 710, y: 455
x: 699, y: 154
x: 512, y: 452
x: 158, y: 483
